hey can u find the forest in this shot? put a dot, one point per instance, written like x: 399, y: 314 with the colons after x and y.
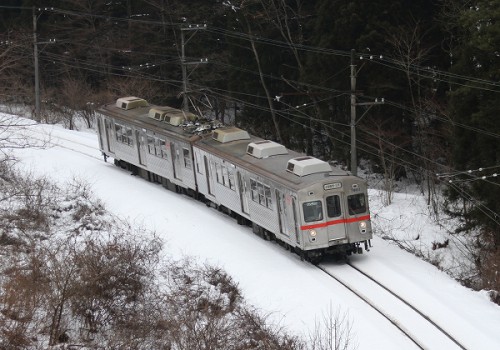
x: 416, y: 81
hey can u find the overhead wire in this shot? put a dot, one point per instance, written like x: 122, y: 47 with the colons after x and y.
x: 390, y: 63
x: 369, y: 149
x: 416, y: 70
x: 394, y: 63
x: 274, y: 42
x: 449, y: 80
x: 400, y: 161
x: 363, y: 146
x: 493, y: 216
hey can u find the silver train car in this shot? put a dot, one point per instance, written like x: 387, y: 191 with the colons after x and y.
x: 299, y: 201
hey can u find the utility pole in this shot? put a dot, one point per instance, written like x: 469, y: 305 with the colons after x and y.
x: 37, y: 78
x: 354, y: 104
x: 354, y: 159
x: 184, y: 64
x: 37, y: 70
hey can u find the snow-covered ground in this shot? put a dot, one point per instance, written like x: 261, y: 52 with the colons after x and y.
x: 296, y: 294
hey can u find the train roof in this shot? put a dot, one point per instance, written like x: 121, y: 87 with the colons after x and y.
x: 275, y: 166
x: 268, y: 158
x: 149, y: 117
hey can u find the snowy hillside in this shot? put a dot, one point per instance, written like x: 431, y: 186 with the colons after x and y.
x: 296, y: 294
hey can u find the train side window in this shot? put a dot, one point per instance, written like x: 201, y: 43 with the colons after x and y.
x: 313, y: 211
x: 260, y: 187
x: 163, y: 148
x: 269, y: 201
x: 199, y: 163
x: 158, y: 144
x: 261, y: 193
x: 253, y: 190
x: 225, y: 177
x: 333, y: 209
x: 230, y: 174
x: 118, y: 132
x: 124, y: 134
x: 151, y: 145
x: 218, y: 173
x: 356, y: 204
x: 187, y: 159
x: 128, y: 137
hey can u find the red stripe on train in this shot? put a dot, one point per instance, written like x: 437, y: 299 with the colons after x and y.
x: 335, y: 222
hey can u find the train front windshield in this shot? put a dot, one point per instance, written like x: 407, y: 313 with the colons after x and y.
x: 313, y: 211
x: 356, y: 204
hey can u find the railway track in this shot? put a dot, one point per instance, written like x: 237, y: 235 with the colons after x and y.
x: 424, y: 332
x: 46, y: 137
x: 418, y: 327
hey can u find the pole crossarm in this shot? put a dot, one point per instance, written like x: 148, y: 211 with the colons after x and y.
x: 370, y: 104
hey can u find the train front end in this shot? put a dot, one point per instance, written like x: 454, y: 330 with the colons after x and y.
x: 335, y: 217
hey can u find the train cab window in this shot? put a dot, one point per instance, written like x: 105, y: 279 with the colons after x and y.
x: 313, y: 211
x: 356, y: 204
x: 333, y: 209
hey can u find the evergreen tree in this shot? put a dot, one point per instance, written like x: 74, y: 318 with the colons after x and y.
x: 474, y: 109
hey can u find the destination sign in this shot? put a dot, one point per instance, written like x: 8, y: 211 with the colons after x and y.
x: 332, y: 186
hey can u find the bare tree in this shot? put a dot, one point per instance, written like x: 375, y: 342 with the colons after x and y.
x: 390, y: 143
x: 334, y: 332
x: 16, y: 70
x: 15, y: 133
x: 407, y: 44
x: 134, y: 87
x: 74, y: 273
x: 280, y: 15
x: 269, y: 98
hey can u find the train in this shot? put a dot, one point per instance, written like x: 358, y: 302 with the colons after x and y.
x: 305, y: 204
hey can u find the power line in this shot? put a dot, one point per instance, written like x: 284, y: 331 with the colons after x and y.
x: 388, y: 62
x: 490, y: 214
x: 246, y: 36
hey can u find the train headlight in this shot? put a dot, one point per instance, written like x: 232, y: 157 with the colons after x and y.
x: 312, y: 233
x: 362, y: 226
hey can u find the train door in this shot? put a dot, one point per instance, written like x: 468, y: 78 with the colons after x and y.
x: 210, y: 184
x: 242, y: 187
x: 141, y: 145
x: 335, y: 217
x: 282, y: 213
x: 101, y: 135
x: 295, y: 221
x: 176, y: 161
x: 109, y: 140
